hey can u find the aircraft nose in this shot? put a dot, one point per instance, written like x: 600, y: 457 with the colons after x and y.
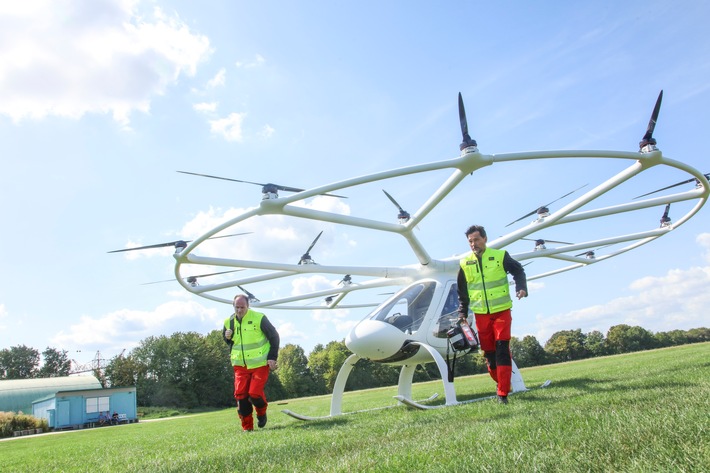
x: 374, y: 340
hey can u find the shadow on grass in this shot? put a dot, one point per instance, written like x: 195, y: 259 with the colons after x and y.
x: 319, y: 424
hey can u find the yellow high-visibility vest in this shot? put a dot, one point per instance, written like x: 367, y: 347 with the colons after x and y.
x: 488, y: 287
x: 250, y: 346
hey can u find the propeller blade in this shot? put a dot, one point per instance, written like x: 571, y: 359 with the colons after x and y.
x: 314, y: 243
x: 214, y: 274
x: 467, y: 140
x: 230, y: 235
x: 223, y: 178
x: 707, y: 176
x: 544, y: 240
x: 173, y: 243
x: 652, y: 122
x: 546, y: 205
x: 252, y: 297
x: 196, y: 276
x: 572, y: 192
x: 462, y: 119
x: 393, y: 201
x: 276, y: 186
x: 594, y: 250
x: 157, y: 245
x: 665, y: 212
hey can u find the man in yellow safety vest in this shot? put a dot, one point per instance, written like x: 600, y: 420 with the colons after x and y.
x: 484, y: 289
x: 254, y: 346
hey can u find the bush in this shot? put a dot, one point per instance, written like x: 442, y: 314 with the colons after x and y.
x: 11, y: 422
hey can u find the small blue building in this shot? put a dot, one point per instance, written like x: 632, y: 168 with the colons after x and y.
x: 82, y: 408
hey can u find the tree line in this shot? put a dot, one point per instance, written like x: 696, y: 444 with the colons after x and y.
x: 190, y: 370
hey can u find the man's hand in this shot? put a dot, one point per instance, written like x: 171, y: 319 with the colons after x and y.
x: 521, y: 294
x: 272, y: 364
x: 228, y: 334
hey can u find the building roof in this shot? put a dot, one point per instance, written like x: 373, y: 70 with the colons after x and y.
x: 17, y: 394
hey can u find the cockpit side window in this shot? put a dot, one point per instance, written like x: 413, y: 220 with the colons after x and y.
x: 408, y: 309
x: 449, y: 314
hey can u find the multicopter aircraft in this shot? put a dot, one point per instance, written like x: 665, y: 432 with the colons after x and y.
x: 410, y: 327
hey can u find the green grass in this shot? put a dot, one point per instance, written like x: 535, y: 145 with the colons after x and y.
x: 644, y: 411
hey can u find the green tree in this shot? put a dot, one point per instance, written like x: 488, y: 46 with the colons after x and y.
x: 182, y: 370
x: 698, y: 335
x: 124, y: 371
x: 221, y: 372
x: 527, y: 352
x: 325, y: 363
x: 567, y: 345
x: 596, y: 343
x: 672, y: 338
x: 56, y: 363
x: 294, y: 374
x: 19, y: 362
x: 625, y: 339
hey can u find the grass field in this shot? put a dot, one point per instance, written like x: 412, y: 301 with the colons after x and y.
x: 646, y: 411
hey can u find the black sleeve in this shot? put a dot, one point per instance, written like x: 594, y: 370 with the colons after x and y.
x: 273, y: 336
x: 462, y: 288
x: 517, y: 271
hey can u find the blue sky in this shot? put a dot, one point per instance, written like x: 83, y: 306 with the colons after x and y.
x: 102, y: 101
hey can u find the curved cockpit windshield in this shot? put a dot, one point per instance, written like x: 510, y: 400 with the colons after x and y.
x: 407, y: 309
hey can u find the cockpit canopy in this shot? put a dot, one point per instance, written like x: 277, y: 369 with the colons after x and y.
x: 407, y: 310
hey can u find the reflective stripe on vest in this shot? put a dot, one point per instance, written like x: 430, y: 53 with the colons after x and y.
x: 251, y: 346
x: 488, y: 290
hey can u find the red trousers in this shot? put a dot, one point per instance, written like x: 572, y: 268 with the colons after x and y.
x: 249, y: 391
x: 494, y: 336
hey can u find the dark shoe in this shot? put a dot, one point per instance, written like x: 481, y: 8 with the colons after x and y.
x: 261, y: 421
x: 502, y: 399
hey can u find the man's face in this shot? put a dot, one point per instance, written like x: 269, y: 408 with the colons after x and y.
x: 240, y: 306
x: 477, y: 243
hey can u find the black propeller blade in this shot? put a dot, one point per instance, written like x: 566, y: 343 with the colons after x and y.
x: 193, y: 279
x: 590, y: 254
x: 403, y: 215
x: 467, y: 140
x: 306, y: 258
x: 177, y: 243
x: 665, y: 219
x: 648, y: 137
x: 544, y: 210
x: 707, y: 176
x: 540, y: 243
x: 250, y: 296
x: 265, y: 188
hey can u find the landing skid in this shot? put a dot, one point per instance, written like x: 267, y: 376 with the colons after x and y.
x: 330, y: 416
x: 417, y: 405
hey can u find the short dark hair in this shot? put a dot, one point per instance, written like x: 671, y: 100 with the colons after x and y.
x: 476, y: 228
x: 242, y: 296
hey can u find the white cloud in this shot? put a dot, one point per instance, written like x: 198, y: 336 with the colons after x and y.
x: 218, y: 80
x: 125, y: 328
x: 75, y: 57
x: 258, y: 61
x: 678, y: 300
x: 704, y: 241
x: 205, y: 107
x: 290, y: 334
x: 306, y: 284
x: 266, y: 132
x: 230, y: 127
